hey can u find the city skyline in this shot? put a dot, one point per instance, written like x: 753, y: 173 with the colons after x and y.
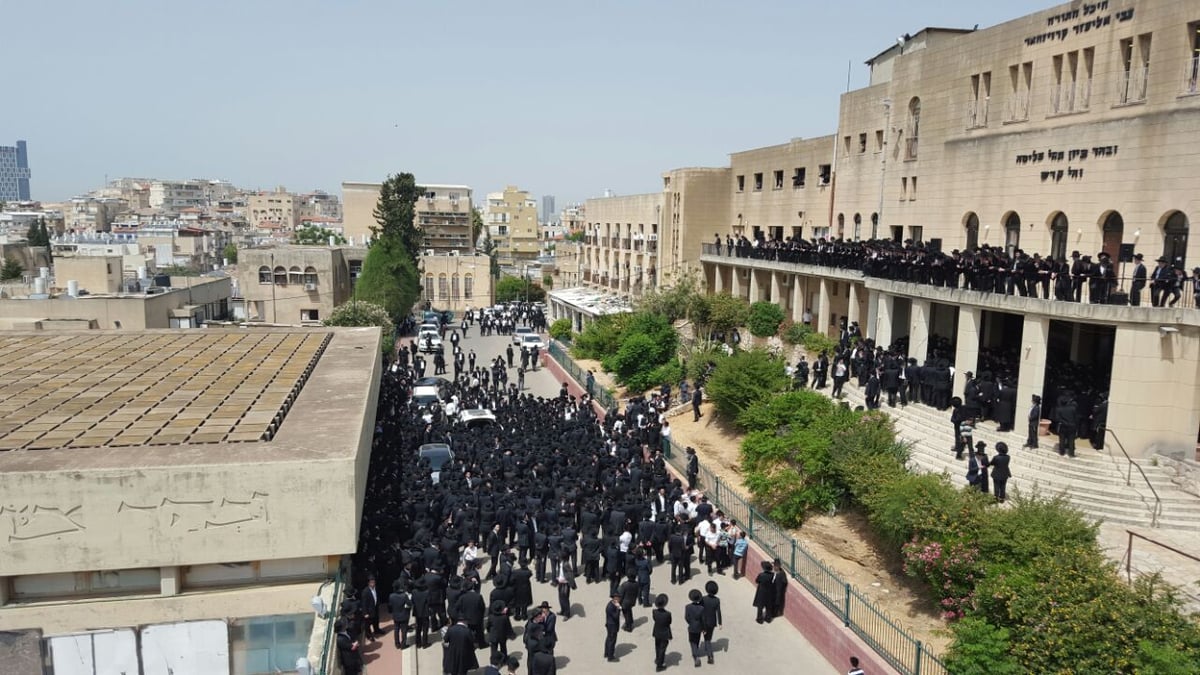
x: 317, y: 109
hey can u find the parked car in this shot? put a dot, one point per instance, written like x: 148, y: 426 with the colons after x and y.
x: 520, y: 333
x: 531, y: 340
x: 429, y: 390
x: 439, y: 455
x: 476, y: 418
x: 429, y: 338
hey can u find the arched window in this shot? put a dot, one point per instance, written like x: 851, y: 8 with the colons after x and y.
x: 874, y: 225
x: 857, y: 226
x: 971, y: 224
x: 1175, y: 236
x: 281, y: 276
x: 841, y: 226
x: 1012, y: 233
x: 295, y: 276
x: 1059, y: 229
x: 310, y: 275
x: 1113, y: 229
x: 264, y: 275
x: 454, y: 287
x: 914, y: 128
x: 468, y: 286
x: 443, y: 287
x: 428, y: 289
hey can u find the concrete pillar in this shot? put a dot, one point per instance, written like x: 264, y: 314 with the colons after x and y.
x: 884, y: 306
x: 171, y: 580
x: 798, y: 297
x: 718, y: 278
x: 823, y: 308
x: 777, y: 290
x: 872, y: 314
x: 852, y: 307
x: 1153, y: 401
x: 1035, y: 335
x: 754, y: 288
x: 966, y: 353
x: 735, y: 285
x: 918, y: 329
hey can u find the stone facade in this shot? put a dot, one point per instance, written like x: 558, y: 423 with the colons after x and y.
x: 297, y: 285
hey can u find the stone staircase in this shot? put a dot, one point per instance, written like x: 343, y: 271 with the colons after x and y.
x: 1094, y: 481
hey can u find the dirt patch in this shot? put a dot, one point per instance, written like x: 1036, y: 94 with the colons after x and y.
x: 843, y: 542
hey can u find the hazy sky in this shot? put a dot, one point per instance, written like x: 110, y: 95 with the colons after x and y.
x: 559, y: 97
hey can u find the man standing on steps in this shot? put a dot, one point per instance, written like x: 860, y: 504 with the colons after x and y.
x: 1000, y: 471
x: 1035, y: 419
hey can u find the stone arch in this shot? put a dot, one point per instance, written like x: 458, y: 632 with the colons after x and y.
x: 970, y: 224
x: 1174, y: 225
x: 1112, y: 229
x: 1060, y: 228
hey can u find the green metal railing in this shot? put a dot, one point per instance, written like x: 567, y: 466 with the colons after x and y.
x: 894, y: 644
x: 559, y: 353
x: 327, y: 666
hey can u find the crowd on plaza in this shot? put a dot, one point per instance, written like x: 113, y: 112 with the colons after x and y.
x: 987, y: 269
x: 552, y: 493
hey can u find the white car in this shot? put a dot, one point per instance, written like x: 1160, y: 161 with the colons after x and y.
x: 531, y: 340
x: 476, y: 418
x: 520, y: 333
x: 429, y: 339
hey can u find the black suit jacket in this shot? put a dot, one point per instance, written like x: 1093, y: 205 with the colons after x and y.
x: 662, y: 624
x: 370, y: 603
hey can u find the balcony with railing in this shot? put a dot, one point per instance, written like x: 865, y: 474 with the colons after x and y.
x: 626, y: 244
x: 977, y: 113
x: 1131, y: 85
x: 1017, y: 108
x: 1191, y: 76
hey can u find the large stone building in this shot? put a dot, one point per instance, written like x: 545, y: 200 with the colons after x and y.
x: 511, y: 217
x: 181, y: 302
x: 456, y: 282
x: 1071, y: 129
x: 443, y: 213
x: 296, y: 285
x: 277, y: 210
x: 180, y: 497
x: 14, y: 173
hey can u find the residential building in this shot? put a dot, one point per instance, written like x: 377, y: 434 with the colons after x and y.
x: 548, y: 212
x: 1070, y: 129
x: 172, y: 196
x: 443, y: 213
x: 296, y: 285
x: 512, y: 222
x: 567, y: 264
x: 278, y: 210
x: 456, y: 282
x: 183, y: 302
x: 180, y: 511
x: 621, y: 243
x: 572, y: 219
x: 14, y: 173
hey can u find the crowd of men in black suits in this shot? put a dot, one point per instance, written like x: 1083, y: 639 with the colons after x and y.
x: 551, y: 493
x: 987, y: 269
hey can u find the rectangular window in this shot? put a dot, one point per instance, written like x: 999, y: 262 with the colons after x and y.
x: 915, y: 232
x: 1135, y: 69
x: 903, y: 188
x: 1020, y: 77
x: 758, y: 181
x: 741, y: 183
x: 846, y: 146
x: 1191, y: 70
x: 912, y: 193
x: 468, y: 286
x: 779, y: 179
x: 310, y: 315
x: 862, y: 143
x: 798, y: 177
x: 454, y: 287
x: 443, y: 287
x: 824, y: 174
x: 1083, y: 84
x: 879, y: 140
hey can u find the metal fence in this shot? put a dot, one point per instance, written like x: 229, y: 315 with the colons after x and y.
x: 892, y: 642
x: 559, y: 353
x: 328, y: 653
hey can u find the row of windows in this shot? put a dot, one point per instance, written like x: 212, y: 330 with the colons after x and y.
x: 448, y: 287
x: 281, y: 276
x: 799, y: 178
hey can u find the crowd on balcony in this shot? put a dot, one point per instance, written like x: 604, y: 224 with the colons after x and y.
x: 986, y: 269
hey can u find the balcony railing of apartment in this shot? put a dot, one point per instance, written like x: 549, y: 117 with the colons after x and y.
x: 1018, y: 107
x: 1131, y: 85
x: 614, y: 242
x: 977, y: 113
x: 626, y: 244
x: 637, y: 244
x: 1191, y: 76
x: 652, y: 247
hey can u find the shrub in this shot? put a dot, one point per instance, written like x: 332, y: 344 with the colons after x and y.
x: 926, y: 506
x: 1033, y: 527
x: 793, y: 408
x: 764, y: 319
x: 815, y: 343
x: 725, y: 312
x: 561, y: 330
x: 793, y: 333
x: 601, y: 338
x: 646, y: 342
x: 949, y: 569
x: 980, y: 648
x: 743, y: 379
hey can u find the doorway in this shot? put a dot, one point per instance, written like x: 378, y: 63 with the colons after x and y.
x: 1175, y: 236
x: 1114, y: 229
x: 1012, y: 233
x: 1059, y: 228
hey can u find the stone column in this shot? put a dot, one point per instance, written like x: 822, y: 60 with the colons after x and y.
x: 718, y: 278
x: 966, y: 353
x: 852, y: 308
x: 1035, y: 334
x: 884, y: 304
x: 754, y: 288
x: 918, y: 329
x: 798, y: 297
x: 171, y: 580
x: 735, y: 284
x: 823, y: 308
x: 777, y: 290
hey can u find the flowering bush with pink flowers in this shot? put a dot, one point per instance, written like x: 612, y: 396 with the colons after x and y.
x: 950, y: 570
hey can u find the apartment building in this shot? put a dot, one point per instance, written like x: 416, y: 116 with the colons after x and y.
x: 443, y: 212
x: 174, y: 196
x: 14, y: 172
x: 455, y: 282
x: 511, y: 217
x: 277, y: 211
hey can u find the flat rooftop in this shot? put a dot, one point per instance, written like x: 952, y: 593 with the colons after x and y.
x: 116, y: 389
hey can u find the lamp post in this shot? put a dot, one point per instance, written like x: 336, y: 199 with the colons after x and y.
x: 887, y: 120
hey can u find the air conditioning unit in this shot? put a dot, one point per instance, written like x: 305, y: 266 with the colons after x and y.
x: 310, y: 287
x: 652, y: 237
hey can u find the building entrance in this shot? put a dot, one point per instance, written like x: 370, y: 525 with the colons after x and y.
x: 1078, y: 373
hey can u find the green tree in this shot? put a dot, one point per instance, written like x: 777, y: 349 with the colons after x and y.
x: 576, y: 236
x: 38, y: 234
x: 229, y: 253
x: 647, y: 343
x: 726, y: 312
x: 311, y: 235
x: 743, y: 379
x: 476, y: 226
x: 561, y: 330
x: 489, y: 249
x: 764, y: 319
x: 396, y: 215
x: 11, y: 270
x: 363, y: 314
x: 389, y: 278
x: 683, y: 300
x: 512, y: 288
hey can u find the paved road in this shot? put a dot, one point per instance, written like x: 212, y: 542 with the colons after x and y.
x: 741, y: 645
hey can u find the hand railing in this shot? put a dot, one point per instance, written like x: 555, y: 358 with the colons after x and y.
x: 328, y: 652
x: 1156, y: 510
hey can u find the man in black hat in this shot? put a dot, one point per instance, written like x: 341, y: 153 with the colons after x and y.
x: 1161, y: 280
x: 612, y: 624
x: 1079, y: 270
x: 1139, y: 281
x: 1103, y: 278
